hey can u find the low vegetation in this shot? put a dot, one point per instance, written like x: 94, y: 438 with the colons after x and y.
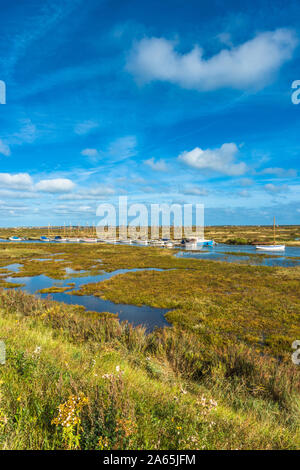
x: 220, y: 377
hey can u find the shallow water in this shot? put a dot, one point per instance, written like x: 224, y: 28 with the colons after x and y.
x: 148, y: 316
x: 223, y: 253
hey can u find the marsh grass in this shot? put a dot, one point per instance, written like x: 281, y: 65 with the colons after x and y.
x: 220, y: 378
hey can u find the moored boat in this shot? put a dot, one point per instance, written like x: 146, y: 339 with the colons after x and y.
x: 273, y: 247
x: 16, y: 239
x: 270, y: 247
x: 139, y: 241
x: 89, y: 240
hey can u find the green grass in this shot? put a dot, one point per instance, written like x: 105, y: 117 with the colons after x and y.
x: 157, y: 391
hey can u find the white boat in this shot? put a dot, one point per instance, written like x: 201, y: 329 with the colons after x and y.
x: 157, y: 242
x: 273, y: 247
x: 89, y: 240
x: 16, y: 239
x: 270, y: 247
x: 142, y: 242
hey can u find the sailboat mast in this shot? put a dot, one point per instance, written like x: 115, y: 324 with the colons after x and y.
x: 274, y: 230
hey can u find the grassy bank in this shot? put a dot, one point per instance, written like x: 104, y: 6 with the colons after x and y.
x: 123, y: 389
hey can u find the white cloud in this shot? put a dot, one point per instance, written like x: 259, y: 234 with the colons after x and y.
x: 159, y: 165
x: 195, y: 191
x: 272, y: 188
x: 15, y: 181
x: 221, y: 160
x: 280, y: 172
x: 4, y: 148
x: 90, y: 153
x: 244, y: 193
x: 58, y: 185
x: 246, y: 182
x: 85, y: 127
x: 101, y: 191
x: 89, y: 194
x: 250, y: 64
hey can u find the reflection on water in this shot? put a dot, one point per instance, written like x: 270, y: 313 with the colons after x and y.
x: 244, y: 254
x: 148, y: 316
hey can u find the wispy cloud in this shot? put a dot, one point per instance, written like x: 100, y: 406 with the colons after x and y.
x: 273, y: 189
x: 4, y: 149
x: 280, y: 172
x: 85, y: 127
x: 92, y: 154
x: 118, y: 150
x: 158, y: 165
x: 50, y: 15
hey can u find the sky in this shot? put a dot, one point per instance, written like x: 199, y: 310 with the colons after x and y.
x: 162, y: 102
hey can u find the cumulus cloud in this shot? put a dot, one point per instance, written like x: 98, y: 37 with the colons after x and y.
x: 221, y: 160
x: 58, y: 185
x: 15, y: 181
x: 158, y: 165
x: 250, y: 64
x: 4, y: 149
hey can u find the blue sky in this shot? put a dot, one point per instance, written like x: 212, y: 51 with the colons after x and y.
x: 172, y: 101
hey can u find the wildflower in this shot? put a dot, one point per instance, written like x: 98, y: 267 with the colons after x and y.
x: 118, y: 368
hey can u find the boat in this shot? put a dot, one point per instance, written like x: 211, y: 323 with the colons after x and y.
x: 126, y: 241
x: 89, y: 240
x: 60, y: 240
x: 157, y: 242
x: 44, y: 239
x: 273, y: 247
x: 141, y: 242
x: 270, y: 247
x: 16, y: 239
x: 206, y: 242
